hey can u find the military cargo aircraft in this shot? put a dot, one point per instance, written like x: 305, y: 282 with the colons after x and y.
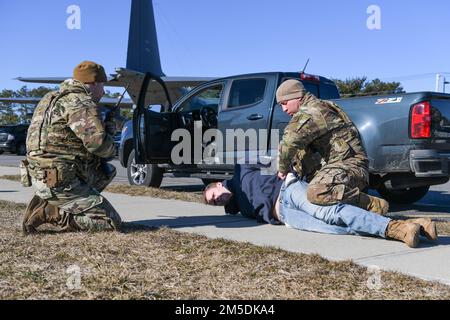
x: 142, y: 56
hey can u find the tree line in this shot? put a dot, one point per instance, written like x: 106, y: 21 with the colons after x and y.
x: 15, y: 113
x: 360, y: 86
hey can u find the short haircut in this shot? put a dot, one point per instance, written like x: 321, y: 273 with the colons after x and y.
x: 209, y: 186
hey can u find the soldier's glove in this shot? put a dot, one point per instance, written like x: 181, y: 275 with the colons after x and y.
x: 110, y: 124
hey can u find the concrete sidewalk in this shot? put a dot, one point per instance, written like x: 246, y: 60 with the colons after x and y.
x: 430, y: 261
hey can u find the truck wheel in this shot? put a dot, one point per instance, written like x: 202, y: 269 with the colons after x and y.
x: 403, y: 196
x: 21, y: 149
x: 148, y: 175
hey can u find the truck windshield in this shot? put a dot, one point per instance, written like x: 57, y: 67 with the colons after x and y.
x: 208, y: 97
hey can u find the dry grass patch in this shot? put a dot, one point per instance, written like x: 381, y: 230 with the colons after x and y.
x: 145, y: 263
x: 11, y: 177
x: 443, y: 228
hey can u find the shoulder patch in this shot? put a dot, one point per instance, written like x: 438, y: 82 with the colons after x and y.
x: 302, y: 119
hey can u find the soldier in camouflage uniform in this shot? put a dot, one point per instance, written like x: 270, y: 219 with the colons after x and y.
x: 67, y: 148
x: 322, y: 145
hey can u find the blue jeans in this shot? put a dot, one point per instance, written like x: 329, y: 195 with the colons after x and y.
x: 297, y: 212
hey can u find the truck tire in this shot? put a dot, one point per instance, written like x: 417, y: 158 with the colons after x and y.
x: 148, y: 175
x: 403, y: 196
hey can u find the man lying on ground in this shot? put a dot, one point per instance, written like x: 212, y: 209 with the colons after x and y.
x: 268, y: 199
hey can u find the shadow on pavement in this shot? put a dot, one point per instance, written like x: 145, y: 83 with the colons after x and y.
x: 221, y: 222
x: 200, y: 221
x: 442, y: 241
x: 420, y: 208
x: 185, y: 188
x: 434, y: 201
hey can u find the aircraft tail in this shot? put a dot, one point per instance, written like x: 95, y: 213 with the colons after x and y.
x: 143, y: 49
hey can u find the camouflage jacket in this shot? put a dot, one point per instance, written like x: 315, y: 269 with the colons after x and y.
x: 319, y: 133
x: 66, y: 128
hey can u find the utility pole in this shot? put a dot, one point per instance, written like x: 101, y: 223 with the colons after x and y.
x: 445, y: 82
x: 438, y: 79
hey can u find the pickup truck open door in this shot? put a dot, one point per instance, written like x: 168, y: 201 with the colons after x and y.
x: 153, y: 130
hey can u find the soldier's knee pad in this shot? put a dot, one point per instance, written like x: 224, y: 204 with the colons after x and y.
x: 315, y: 194
x: 86, y: 223
x: 325, y: 195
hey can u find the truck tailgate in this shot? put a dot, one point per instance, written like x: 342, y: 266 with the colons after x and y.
x: 440, y: 122
x: 432, y: 158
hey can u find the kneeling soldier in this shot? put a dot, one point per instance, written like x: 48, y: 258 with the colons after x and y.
x: 67, y: 144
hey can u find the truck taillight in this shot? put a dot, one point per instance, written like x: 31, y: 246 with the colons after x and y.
x: 309, y: 77
x: 421, y: 120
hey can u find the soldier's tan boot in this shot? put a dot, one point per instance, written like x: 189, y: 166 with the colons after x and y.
x: 34, y: 215
x: 52, y: 214
x: 427, y: 228
x: 404, y: 231
x: 38, y: 212
x: 373, y: 204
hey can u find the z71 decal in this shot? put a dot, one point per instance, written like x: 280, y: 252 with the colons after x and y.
x: 389, y: 100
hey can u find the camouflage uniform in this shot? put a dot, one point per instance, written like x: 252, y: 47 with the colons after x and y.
x: 322, y: 145
x: 66, y: 143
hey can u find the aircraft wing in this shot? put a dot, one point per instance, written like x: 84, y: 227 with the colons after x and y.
x: 59, y: 80
x: 20, y: 100
x: 177, y: 86
x: 51, y: 80
x: 108, y: 102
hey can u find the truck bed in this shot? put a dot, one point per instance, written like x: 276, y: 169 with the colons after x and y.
x: 384, y: 123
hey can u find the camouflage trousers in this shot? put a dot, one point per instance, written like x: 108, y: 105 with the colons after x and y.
x: 336, y: 183
x: 82, y: 208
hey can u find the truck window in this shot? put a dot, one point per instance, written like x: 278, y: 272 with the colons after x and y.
x: 246, y: 92
x: 312, y: 88
x: 328, y: 92
x: 208, y: 97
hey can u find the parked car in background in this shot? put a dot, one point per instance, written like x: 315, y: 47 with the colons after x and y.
x: 13, y: 138
x: 117, y: 141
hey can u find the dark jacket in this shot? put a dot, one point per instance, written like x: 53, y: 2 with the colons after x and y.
x: 254, y: 194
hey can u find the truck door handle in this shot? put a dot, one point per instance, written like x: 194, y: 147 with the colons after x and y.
x: 255, y: 117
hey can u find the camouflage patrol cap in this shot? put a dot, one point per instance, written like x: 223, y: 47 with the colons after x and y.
x: 88, y: 71
x: 289, y: 90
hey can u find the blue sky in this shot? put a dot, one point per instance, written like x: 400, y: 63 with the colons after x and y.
x: 221, y: 38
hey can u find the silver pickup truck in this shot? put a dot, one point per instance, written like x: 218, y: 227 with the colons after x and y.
x: 406, y: 136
